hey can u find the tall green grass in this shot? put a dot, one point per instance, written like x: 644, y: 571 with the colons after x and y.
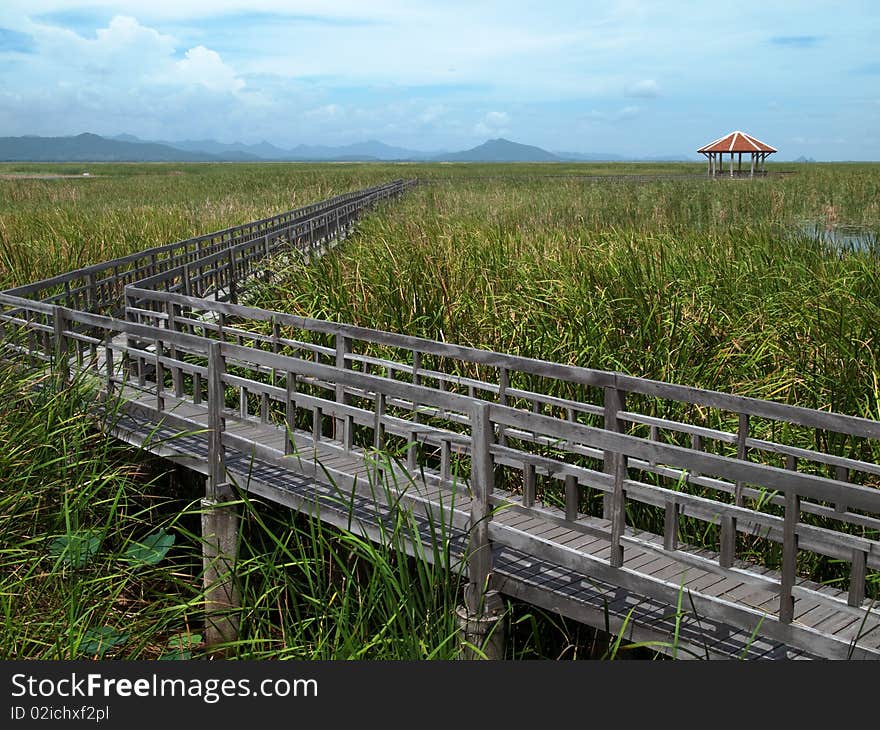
x: 707, y: 283
x: 685, y: 280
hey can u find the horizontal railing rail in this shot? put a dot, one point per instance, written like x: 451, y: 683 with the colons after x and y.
x: 625, y: 458
x: 99, y: 286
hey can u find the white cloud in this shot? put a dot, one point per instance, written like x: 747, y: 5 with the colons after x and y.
x: 493, y: 123
x: 203, y: 66
x: 645, y: 89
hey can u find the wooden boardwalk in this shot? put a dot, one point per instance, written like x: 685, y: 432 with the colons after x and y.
x: 572, y: 489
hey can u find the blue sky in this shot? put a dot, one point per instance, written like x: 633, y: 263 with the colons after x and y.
x: 635, y: 78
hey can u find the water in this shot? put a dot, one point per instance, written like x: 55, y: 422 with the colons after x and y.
x: 842, y: 237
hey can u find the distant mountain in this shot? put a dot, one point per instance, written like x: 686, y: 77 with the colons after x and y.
x: 371, y: 149
x: 804, y: 159
x: 91, y: 148
x: 128, y: 148
x: 500, y: 150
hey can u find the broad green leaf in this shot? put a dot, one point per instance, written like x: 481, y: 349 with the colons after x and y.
x: 180, y: 646
x: 151, y: 550
x: 97, y: 640
x: 76, y: 548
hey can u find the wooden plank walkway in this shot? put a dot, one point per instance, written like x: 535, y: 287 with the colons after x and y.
x: 506, y: 454
x: 342, y: 487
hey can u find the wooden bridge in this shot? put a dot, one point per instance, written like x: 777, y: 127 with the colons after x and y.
x: 580, y: 491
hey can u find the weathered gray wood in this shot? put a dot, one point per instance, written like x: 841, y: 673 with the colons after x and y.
x: 482, y: 477
x: 529, y: 479
x: 618, y: 510
x: 789, y: 557
x: 741, y: 453
x: 857, y: 576
x: 572, y: 497
x: 62, y: 347
x: 216, y: 454
x: 615, y: 402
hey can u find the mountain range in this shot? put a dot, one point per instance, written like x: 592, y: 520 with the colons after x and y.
x: 89, y: 147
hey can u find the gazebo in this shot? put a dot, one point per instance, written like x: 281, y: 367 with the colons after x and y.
x: 737, y: 143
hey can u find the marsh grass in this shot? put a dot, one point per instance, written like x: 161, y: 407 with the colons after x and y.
x: 680, y: 280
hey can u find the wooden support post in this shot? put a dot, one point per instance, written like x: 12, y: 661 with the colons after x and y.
x: 445, y: 459
x: 290, y: 412
x: 62, y: 346
x: 416, y: 380
x: 160, y: 376
x: 379, y: 424
x: 728, y: 522
x: 317, y: 423
x: 108, y: 365
x: 529, y: 480
x: 857, y: 575
x: 480, y: 620
x: 503, y: 385
x: 741, y: 453
x: 412, y: 452
x: 91, y: 292
x: 615, y: 401
x: 216, y: 421
x: 219, y: 520
x: 789, y: 556
x: 343, y: 349
x: 841, y: 474
x: 618, y: 510
x: 728, y: 541
x: 173, y: 312
x: 482, y: 476
x: 572, y: 494
x: 233, y: 291
x: 696, y: 445
x: 670, y: 525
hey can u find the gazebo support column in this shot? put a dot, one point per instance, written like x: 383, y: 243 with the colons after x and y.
x: 752, y: 173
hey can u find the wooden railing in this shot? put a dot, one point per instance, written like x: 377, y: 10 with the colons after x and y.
x: 230, y: 252
x: 598, y: 452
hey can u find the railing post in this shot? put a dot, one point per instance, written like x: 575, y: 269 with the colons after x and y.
x: 160, y: 376
x: 172, y: 311
x: 728, y: 522
x: 219, y: 520
x: 615, y: 401
x: 216, y: 403
x: 572, y: 497
x: 857, y: 577
x: 789, y: 556
x: 670, y: 525
x: 290, y: 412
x: 91, y: 292
x: 618, y: 510
x: 481, y: 616
x: 340, y: 424
x: 233, y: 294
x: 482, y: 478
x: 62, y: 350
x: 503, y: 385
x: 528, y: 498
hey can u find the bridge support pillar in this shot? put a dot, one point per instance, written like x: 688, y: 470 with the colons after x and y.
x: 482, y: 633
x: 219, y: 553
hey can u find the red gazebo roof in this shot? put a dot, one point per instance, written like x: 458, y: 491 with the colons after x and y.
x: 737, y: 142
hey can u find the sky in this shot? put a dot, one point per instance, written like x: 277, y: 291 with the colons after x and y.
x: 634, y: 78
